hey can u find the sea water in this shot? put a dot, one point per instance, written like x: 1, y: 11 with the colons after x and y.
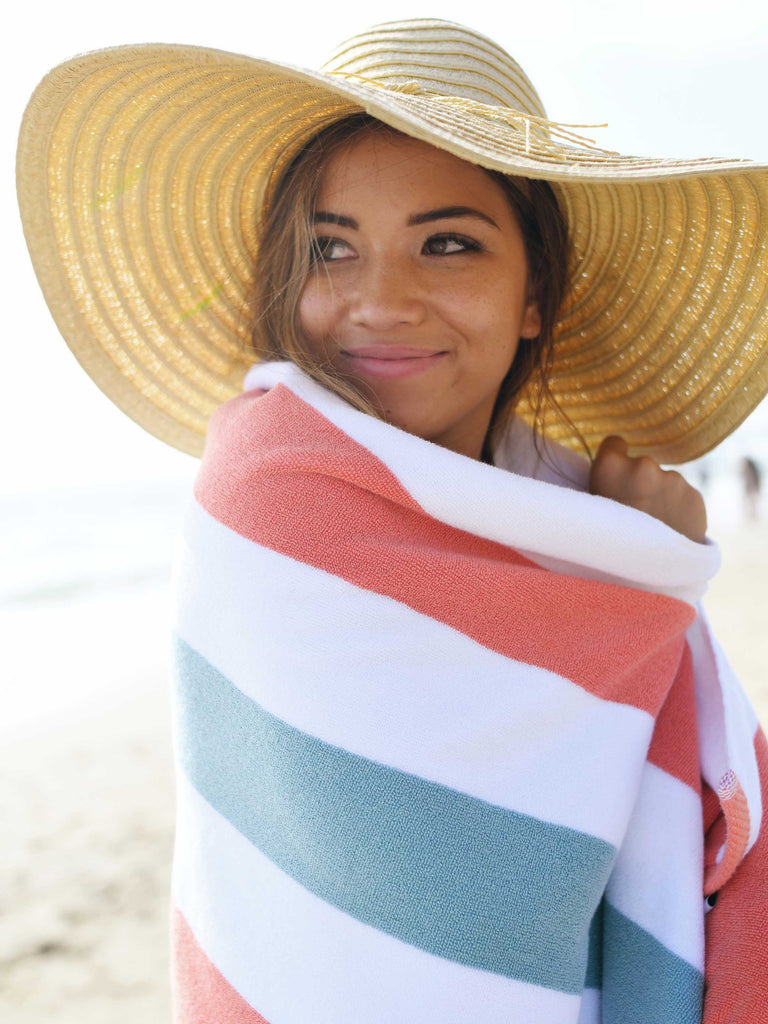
x: 84, y: 598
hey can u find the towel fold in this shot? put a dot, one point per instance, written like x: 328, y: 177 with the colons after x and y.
x: 441, y: 729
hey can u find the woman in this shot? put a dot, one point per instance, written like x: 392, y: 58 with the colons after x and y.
x: 503, y: 324
x: 442, y: 714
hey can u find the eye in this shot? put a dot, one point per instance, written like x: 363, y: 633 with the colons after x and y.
x: 449, y: 243
x: 326, y: 250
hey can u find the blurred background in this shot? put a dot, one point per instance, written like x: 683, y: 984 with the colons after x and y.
x: 90, y: 506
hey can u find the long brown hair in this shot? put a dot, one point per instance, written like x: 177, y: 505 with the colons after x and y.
x: 284, y: 264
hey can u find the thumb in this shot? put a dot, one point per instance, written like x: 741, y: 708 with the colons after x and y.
x: 612, y: 444
x: 608, y: 466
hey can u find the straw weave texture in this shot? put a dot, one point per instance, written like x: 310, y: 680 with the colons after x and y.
x: 142, y: 173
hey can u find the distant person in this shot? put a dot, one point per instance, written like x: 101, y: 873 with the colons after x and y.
x: 453, y: 739
x: 751, y: 477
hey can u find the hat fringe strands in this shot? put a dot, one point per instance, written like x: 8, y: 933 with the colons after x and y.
x: 533, y: 127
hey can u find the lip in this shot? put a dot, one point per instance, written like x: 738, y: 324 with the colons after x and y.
x: 391, y: 361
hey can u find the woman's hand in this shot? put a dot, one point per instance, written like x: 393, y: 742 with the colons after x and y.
x: 642, y: 484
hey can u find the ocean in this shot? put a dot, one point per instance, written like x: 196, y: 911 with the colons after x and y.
x: 84, y: 598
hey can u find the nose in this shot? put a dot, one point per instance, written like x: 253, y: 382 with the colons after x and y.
x: 386, y: 295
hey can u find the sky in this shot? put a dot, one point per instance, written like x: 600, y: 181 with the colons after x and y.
x: 670, y: 78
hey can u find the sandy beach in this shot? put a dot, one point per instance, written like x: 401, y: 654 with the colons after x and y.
x: 87, y: 799
x: 86, y: 791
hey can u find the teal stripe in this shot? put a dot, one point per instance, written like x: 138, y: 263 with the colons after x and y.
x: 443, y: 871
x: 594, y: 978
x: 643, y: 982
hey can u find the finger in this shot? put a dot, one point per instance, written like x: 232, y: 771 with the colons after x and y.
x: 614, y: 444
x: 610, y: 467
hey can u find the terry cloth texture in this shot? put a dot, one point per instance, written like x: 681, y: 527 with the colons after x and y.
x: 441, y: 731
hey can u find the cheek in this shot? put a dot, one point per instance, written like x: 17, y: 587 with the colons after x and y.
x: 318, y: 312
x: 311, y: 313
x: 490, y: 316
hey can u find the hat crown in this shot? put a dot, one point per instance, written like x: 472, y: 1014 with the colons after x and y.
x: 439, y: 58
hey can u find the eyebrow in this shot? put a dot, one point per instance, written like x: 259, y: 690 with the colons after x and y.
x: 442, y: 213
x: 325, y: 217
x: 446, y: 212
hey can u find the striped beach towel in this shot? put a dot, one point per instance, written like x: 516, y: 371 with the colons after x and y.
x: 449, y: 740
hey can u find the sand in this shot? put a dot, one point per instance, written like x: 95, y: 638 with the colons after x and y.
x: 737, y: 603
x: 87, y: 805
x: 86, y: 792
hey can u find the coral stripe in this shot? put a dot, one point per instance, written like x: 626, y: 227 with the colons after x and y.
x: 674, y: 747
x: 737, y: 950
x: 736, y: 813
x: 202, y: 994
x: 339, y: 512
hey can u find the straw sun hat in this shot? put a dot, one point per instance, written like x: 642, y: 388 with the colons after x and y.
x: 142, y: 172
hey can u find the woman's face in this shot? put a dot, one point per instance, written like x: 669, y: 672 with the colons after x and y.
x: 418, y: 290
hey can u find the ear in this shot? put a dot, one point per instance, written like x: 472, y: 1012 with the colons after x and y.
x: 530, y: 325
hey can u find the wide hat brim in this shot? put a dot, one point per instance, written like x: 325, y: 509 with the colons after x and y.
x: 142, y: 172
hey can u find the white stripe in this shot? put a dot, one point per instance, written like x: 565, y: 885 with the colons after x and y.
x: 727, y: 721
x: 740, y: 727
x: 369, y: 674
x: 591, y: 1003
x: 597, y: 537
x: 657, y: 878
x: 296, y: 959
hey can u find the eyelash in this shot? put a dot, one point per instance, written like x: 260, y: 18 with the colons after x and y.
x: 321, y: 246
x: 467, y: 244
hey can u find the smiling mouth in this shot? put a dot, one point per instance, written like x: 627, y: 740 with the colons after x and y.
x: 385, y: 361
